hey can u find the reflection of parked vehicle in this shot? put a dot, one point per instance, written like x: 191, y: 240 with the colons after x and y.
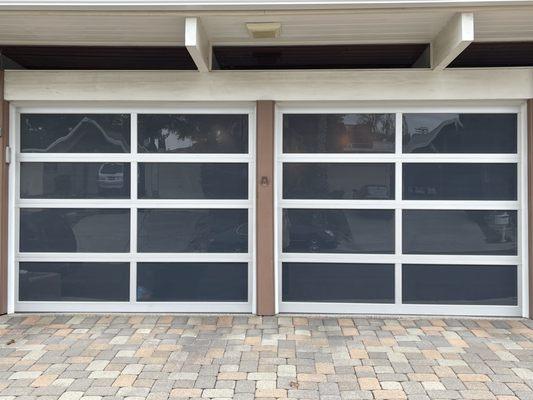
x: 111, y: 176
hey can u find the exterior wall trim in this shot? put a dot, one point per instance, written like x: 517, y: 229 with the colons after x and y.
x: 322, y: 85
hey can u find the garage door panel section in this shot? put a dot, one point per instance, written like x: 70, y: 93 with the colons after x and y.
x: 135, y: 210
x: 74, y: 281
x: 414, y: 210
x: 216, y: 282
x: 338, y: 283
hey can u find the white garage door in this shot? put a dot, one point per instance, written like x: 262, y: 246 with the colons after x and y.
x: 134, y: 210
x: 400, y: 211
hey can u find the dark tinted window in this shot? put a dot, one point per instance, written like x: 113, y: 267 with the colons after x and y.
x: 459, y: 232
x: 338, y: 231
x: 74, y: 230
x: 215, y: 230
x: 338, y: 133
x: 192, y: 282
x: 75, y: 133
x: 460, y: 284
x: 190, y: 133
x: 465, y: 181
x: 338, y: 283
x: 193, y: 181
x: 459, y: 133
x: 338, y: 181
x: 74, y: 180
x: 75, y: 281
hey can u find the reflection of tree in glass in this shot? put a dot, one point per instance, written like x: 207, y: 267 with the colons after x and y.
x: 76, y: 133
x: 213, y: 133
x: 338, y: 133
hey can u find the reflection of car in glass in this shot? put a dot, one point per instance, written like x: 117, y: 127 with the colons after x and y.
x: 111, y: 176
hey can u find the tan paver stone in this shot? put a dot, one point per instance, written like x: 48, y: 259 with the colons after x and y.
x: 324, y: 368
x: 125, y: 380
x: 389, y: 394
x: 271, y: 393
x: 234, y: 376
x: 473, y: 377
x: 44, y: 380
x: 369, y: 384
x: 358, y: 354
x: 186, y: 392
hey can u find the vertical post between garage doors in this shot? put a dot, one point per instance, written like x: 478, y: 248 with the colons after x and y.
x: 265, y: 208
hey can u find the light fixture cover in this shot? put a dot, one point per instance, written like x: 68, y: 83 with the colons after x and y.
x: 264, y: 30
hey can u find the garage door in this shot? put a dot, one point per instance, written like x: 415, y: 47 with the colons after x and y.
x: 134, y: 210
x: 400, y: 211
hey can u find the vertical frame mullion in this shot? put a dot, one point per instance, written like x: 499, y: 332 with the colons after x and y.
x: 398, y: 193
x: 133, y: 209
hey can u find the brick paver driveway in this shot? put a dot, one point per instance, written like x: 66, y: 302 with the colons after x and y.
x: 245, y: 357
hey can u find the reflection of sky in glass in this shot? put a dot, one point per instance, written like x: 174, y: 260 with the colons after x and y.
x: 172, y: 141
x: 351, y: 119
x: 429, y: 121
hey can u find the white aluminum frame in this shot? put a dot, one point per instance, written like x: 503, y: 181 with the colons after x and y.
x: 133, y: 204
x: 521, y: 260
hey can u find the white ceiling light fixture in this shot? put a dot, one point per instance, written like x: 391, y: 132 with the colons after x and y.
x: 264, y: 30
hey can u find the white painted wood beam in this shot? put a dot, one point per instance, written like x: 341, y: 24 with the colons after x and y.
x: 198, y: 44
x: 237, y: 86
x: 452, y: 39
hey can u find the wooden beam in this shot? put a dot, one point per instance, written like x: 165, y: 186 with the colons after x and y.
x: 265, y: 208
x: 452, y: 40
x: 341, y: 85
x: 198, y: 44
x: 4, y: 142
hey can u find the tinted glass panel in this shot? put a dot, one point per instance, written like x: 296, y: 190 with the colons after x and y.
x: 83, y: 281
x: 338, y: 181
x: 459, y: 232
x: 189, y: 133
x: 459, y: 133
x: 74, y: 230
x: 338, y: 133
x: 342, y: 283
x: 186, y: 231
x: 459, y: 181
x: 76, y: 180
x: 338, y: 231
x: 192, y: 281
x: 75, y: 133
x: 193, y: 181
x: 458, y: 284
